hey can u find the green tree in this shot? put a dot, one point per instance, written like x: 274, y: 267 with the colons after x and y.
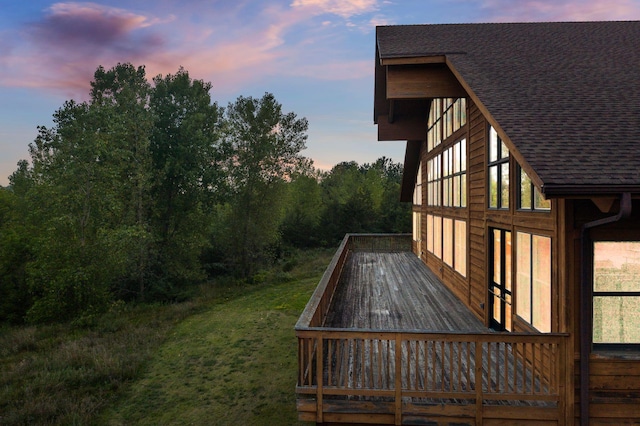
x: 262, y: 150
x: 187, y: 176
x: 303, y: 211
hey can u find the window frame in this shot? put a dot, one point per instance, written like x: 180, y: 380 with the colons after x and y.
x: 609, y: 347
x: 531, y: 285
x: 498, y: 165
x: 533, y: 190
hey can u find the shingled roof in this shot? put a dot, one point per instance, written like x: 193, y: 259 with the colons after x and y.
x: 566, y: 95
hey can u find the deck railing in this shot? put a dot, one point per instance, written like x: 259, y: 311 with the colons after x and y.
x: 400, y: 373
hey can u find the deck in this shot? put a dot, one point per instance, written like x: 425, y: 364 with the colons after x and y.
x: 396, y: 291
x: 382, y: 340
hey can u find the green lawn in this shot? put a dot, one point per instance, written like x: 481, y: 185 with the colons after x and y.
x: 228, y: 357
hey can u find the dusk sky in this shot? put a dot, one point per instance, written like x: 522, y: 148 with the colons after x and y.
x: 315, y: 56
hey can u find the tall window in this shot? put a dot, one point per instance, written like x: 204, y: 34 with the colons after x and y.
x: 434, y: 180
x: 616, y: 293
x: 533, y: 282
x: 498, y: 172
x: 446, y: 116
x: 446, y: 183
x: 417, y: 190
x: 454, y: 175
x: 530, y: 198
x: 417, y: 226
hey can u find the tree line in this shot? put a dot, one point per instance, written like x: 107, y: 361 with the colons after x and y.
x: 149, y: 188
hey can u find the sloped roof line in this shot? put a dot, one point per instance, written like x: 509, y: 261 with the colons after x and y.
x: 564, y: 94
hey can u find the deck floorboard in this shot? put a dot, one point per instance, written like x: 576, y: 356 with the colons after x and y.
x: 396, y: 291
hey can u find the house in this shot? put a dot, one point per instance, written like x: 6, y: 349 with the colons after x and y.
x: 523, y: 167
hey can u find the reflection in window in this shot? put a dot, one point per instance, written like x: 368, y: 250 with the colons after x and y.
x: 533, y: 281
x: 417, y: 190
x: 530, y: 198
x: 616, y: 293
x: 498, y: 172
x: 446, y: 116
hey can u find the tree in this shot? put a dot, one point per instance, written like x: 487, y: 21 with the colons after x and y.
x: 187, y: 175
x: 262, y: 151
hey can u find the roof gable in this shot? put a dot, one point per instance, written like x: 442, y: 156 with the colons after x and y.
x: 565, y: 95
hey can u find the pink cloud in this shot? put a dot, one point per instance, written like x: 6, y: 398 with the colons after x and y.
x: 61, y: 51
x: 343, y: 8
x: 561, y: 10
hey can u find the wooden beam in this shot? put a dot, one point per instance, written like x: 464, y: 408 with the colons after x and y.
x: 422, y: 81
x: 604, y: 204
x: 401, y: 129
x: 437, y: 59
x: 409, y: 121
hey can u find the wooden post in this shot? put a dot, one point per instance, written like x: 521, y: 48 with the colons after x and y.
x: 478, y: 380
x: 398, y: 380
x: 319, y: 370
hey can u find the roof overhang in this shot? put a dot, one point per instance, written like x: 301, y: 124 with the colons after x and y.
x: 404, y: 88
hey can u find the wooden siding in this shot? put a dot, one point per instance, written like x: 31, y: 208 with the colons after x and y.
x: 477, y: 206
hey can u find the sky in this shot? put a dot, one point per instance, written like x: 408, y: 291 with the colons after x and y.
x: 315, y: 56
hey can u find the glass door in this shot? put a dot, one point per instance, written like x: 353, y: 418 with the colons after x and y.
x: 500, y: 290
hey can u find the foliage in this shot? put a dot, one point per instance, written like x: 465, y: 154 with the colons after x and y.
x: 262, y: 147
x: 140, y: 363
x: 149, y: 188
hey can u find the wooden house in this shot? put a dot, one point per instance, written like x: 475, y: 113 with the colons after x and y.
x: 516, y: 300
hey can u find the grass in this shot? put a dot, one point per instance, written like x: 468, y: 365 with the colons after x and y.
x: 226, y: 357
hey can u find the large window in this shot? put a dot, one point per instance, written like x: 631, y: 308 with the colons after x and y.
x: 498, y: 172
x: 446, y: 116
x: 529, y: 196
x: 417, y: 190
x: 454, y: 175
x: 533, y: 282
x: 616, y: 293
x: 416, y: 227
x: 434, y: 180
x: 447, y: 240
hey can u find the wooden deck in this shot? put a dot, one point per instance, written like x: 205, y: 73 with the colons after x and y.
x: 396, y: 291
x: 382, y: 340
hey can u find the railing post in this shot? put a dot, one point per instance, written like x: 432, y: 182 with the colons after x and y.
x: 319, y: 374
x: 398, y: 379
x: 478, y: 380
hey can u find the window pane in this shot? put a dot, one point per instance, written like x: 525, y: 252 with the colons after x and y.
x: 541, y: 258
x: 456, y: 158
x: 497, y: 305
x: 540, y: 202
x: 456, y: 191
x: 504, y: 186
x: 493, y: 186
x: 616, y: 319
x: 447, y: 241
x: 497, y: 258
x: 463, y: 111
x: 446, y: 161
x: 456, y: 115
x: 461, y: 247
x: 525, y: 190
x: 504, y: 151
x: 437, y: 236
x: 463, y: 155
x: 430, y: 233
x: 463, y: 191
x: 616, y: 266
x: 493, y: 145
x: 523, y: 277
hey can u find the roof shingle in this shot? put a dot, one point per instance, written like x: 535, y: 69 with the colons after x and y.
x: 567, y: 94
